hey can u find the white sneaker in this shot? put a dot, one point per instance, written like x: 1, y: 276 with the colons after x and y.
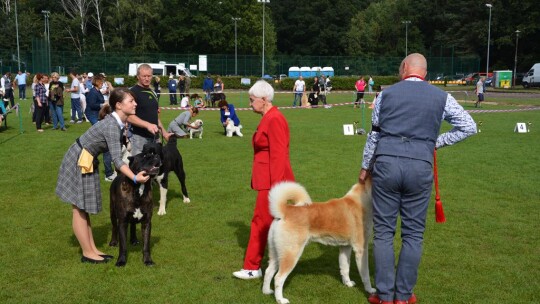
x: 248, y: 274
x: 111, y: 178
x: 72, y: 121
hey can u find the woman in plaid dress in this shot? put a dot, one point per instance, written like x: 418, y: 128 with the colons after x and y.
x: 82, y: 190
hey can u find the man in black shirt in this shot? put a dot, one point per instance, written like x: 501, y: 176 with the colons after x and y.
x: 146, y: 123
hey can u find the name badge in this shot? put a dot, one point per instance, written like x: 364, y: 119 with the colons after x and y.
x: 227, y: 113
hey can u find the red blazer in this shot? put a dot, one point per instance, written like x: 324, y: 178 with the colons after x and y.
x: 271, y: 163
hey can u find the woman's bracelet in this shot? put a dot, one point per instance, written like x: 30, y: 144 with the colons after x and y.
x: 135, y: 179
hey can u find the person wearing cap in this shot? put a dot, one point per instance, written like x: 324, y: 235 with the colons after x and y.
x: 399, y: 154
x: 171, y: 85
x: 146, y: 123
x: 88, y: 81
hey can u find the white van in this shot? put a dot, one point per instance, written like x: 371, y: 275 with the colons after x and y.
x: 162, y: 69
x: 532, y: 78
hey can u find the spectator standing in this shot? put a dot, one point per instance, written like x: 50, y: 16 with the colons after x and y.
x: 83, y: 90
x: 106, y: 88
x: 157, y: 88
x: 88, y: 80
x: 94, y: 100
x: 171, y: 85
x: 76, y: 109
x: 399, y: 154
x: 480, y: 91
x: 20, y: 80
x: 271, y: 165
x: 360, y: 86
x: 371, y: 83
x: 188, y: 83
x: 7, y: 86
x: 40, y: 100
x: 182, y: 85
x: 208, y: 88
x: 145, y: 123
x: 47, y: 114
x: 299, y: 89
x: 56, y: 101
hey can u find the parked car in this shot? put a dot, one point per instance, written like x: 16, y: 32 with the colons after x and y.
x: 472, y: 78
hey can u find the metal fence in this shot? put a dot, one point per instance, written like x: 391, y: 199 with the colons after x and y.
x: 116, y: 63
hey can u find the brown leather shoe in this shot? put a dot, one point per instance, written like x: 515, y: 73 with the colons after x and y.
x: 411, y: 300
x: 374, y: 299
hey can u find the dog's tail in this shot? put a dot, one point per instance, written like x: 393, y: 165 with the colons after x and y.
x: 283, y: 192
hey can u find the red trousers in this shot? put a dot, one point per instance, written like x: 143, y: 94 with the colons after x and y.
x: 258, y: 237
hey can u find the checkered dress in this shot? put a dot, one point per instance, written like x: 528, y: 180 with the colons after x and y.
x: 83, y: 190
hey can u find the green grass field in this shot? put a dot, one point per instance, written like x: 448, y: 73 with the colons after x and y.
x: 487, y: 252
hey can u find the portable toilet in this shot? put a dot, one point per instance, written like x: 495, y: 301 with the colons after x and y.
x: 316, y: 71
x: 502, y: 79
x: 305, y: 72
x: 294, y: 72
x: 328, y: 71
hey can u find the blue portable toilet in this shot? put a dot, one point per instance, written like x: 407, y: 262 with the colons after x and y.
x: 294, y: 72
x: 328, y: 71
x: 305, y: 72
x: 316, y: 71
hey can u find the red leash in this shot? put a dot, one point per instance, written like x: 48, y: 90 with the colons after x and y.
x: 439, y: 212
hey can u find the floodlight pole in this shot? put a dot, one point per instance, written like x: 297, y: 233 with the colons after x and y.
x: 489, y: 5
x: 17, y: 30
x: 406, y: 22
x: 263, y: 2
x: 235, y: 19
x: 46, y: 15
x: 515, y: 59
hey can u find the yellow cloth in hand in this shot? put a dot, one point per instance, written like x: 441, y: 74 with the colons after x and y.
x: 86, y: 162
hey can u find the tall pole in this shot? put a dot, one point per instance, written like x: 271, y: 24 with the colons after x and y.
x: 489, y: 36
x: 17, y: 30
x: 515, y: 58
x: 47, y: 33
x: 235, y: 46
x: 406, y: 22
x: 263, y: 2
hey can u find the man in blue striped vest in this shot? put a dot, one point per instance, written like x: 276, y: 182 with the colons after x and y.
x: 399, y: 156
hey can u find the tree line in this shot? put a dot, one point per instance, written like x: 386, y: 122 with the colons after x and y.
x: 369, y: 28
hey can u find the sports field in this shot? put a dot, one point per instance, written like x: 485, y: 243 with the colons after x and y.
x: 487, y: 252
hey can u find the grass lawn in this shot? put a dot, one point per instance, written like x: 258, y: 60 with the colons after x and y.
x: 487, y: 252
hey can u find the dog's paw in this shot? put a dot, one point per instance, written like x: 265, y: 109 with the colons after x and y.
x: 371, y: 290
x: 350, y: 284
x: 267, y: 291
x: 149, y: 263
x: 113, y: 243
x: 120, y: 263
x: 283, y: 301
x: 161, y: 211
x: 187, y: 200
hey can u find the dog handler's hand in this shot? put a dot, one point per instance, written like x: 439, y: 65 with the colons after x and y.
x: 152, y: 128
x: 362, y: 176
x: 142, y: 177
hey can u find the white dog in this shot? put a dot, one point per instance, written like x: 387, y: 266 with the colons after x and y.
x: 345, y: 222
x: 231, y: 128
x: 196, y: 123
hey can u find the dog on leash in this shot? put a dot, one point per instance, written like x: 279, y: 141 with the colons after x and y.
x: 132, y: 203
x: 346, y: 222
x: 231, y: 129
x: 171, y: 162
x: 197, y: 123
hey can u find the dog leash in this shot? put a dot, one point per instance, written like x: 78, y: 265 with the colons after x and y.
x: 439, y: 212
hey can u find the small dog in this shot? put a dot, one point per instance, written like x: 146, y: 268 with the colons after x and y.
x: 216, y: 98
x: 197, y: 123
x: 132, y: 203
x: 232, y: 129
x: 346, y: 222
x: 305, y: 103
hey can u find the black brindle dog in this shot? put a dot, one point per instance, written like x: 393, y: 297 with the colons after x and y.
x: 132, y: 203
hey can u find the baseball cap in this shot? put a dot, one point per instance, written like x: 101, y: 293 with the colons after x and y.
x: 90, y: 74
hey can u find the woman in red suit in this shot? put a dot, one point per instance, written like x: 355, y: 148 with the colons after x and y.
x: 271, y: 165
